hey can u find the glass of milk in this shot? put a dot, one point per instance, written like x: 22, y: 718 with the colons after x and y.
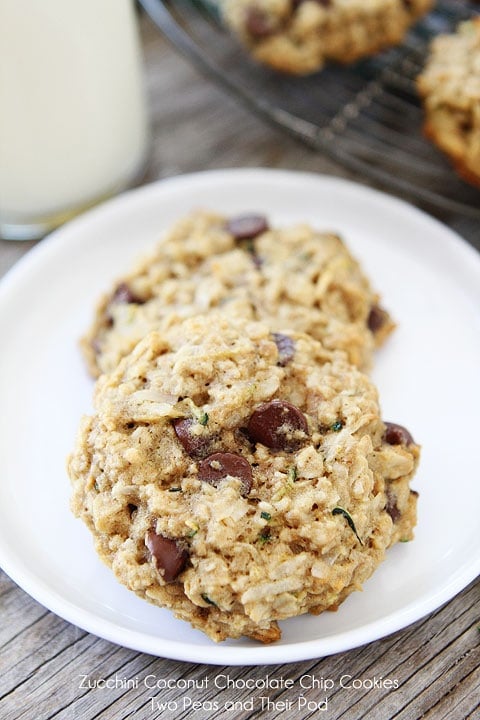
x: 73, y: 124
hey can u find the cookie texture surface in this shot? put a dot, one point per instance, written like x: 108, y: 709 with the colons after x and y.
x: 241, y: 477
x: 294, y: 277
x: 450, y: 88
x: 299, y: 36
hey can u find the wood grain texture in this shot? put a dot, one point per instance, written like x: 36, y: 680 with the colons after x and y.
x: 434, y: 662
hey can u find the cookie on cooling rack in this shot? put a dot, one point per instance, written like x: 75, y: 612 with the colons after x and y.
x: 450, y: 89
x: 299, y: 36
x: 292, y: 277
x: 241, y: 477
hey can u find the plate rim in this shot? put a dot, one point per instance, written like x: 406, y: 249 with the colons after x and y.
x: 45, y: 245
x: 38, y: 588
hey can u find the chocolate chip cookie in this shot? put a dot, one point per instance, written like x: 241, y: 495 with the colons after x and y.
x: 294, y: 277
x: 299, y: 36
x: 239, y: 476
x: 450, y: 88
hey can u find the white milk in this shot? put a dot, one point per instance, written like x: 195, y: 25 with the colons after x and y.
x: 72, y: 112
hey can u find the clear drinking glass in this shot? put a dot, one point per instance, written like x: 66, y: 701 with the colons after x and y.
x: 73, y: 126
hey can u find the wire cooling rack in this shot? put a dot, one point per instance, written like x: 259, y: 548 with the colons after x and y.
x: 367, y: 116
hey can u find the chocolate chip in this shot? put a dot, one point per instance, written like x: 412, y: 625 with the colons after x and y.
x: 216, y: 467
x: 465, y: 125
x: 296, y: 547
x: 286, y: 348
x: 166, y: 554
x: 391, y: 506
x: 257, y: 23
x: 96, y: 345
x: 376, y: 318
x: 247, y: 227
x: 194, y: 445
x: 278, y: 425
x: 397, y: 435
x: 257, y: 260
x: 124, y: 295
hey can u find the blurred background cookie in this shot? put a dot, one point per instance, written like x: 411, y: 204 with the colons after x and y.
x: 450, y: 89
x: 299, y: 36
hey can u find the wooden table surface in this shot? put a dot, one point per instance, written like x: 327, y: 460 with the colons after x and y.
x: 47, y: 665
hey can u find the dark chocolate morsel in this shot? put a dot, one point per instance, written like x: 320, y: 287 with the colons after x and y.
x: 279, y: 425
x: 166, y: 554
x: 286, y: 348
x: 194, y: 445
x: 124, y: 295
x: 247, y: 227
x: 397, y: 435
x: 376, y: 318
x: 258, y: 23
x: 391, y: 507
x: 218, y: 466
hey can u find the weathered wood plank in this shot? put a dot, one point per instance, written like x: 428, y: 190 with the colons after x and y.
x: 55, y: 684
x: 455, y: 692
x: 414, y: 648
x: 17, y: 614
x: 11, y: 252
x: 33, y: 647
x: 462, y: 700
x: 420, y: 687
x: 403, y: 653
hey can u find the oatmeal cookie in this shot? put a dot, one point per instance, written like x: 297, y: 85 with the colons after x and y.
x: 293, y: 277
x: 299, y: 36
x: 241, y: 477
x: 450, y: 89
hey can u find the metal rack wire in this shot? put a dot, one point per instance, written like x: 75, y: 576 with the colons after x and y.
x: 367, y: 116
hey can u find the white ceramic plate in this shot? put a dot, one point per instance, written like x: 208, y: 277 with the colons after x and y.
x: 428, y: 375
